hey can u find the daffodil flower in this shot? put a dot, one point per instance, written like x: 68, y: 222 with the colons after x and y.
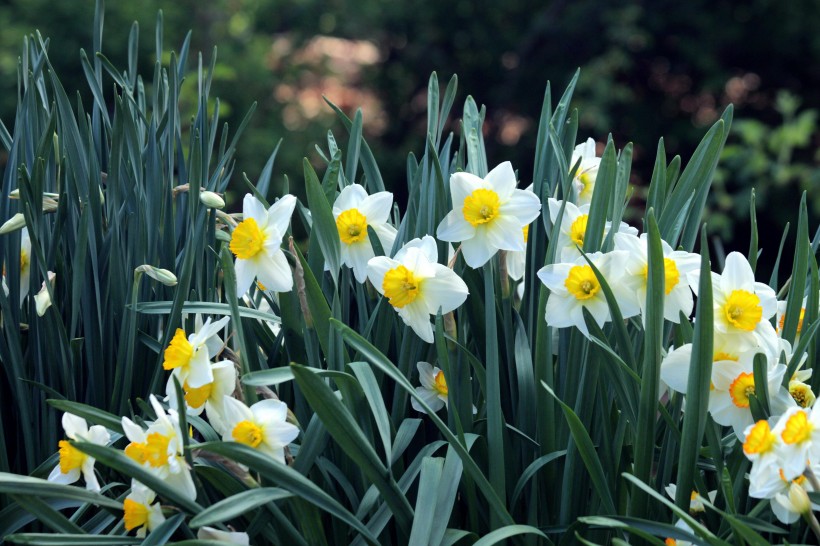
x: 573, y: 228
x: 73, y: 462
x: 574, y: 287
x: 798, y: 432
x: 433, y: 389
x: 190, y: 356
x: 160, y: 448
x: 140, y: 512
x: 354, y: 211
x: 262, y: 426
x: 416, y: 285
x: 678, y: 266
x: 760, y: 447
x: 208, y: 397
x: 256, y: 243
x: 489, y: 214
x: 770, y: 482
x: 696, y: 505
x: 583, y: 184
x: 675, y: 364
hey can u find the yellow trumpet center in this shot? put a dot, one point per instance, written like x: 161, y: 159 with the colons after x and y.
x: 352, y: 226
x: 760, y: 439
x: 802, y: 394
x: 156, y: 449
x: 440, y: 383
x: 248, y: 433
x: 582, y: 282
x: 798, y: 429
x: 481, y: 206
x: 71, y: 458
x: 401, y: 286
x: 578, y: 229
x: 135, y: 514
x: 720, y: 355
x: 742, y: 310
x: 179, y: 352
x: 24, y: 260
x: 671, y: 277
x: 799, y: 321
x: 588, y: 183
x: 741, y: 389
x: 247, y: 240
x: 526, y: 230
x: 196, y: 397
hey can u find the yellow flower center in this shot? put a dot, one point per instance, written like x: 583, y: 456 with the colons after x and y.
x: 671, y: 277
x: 799, y: 321
x: 71, y: 458
x: 481, y: 206
x: 760, y: 439
x: 581, y: 282
x: 135, y: 514
x: 352, y: 226
x: 801, y: 393
x: 401, y: 286
x: 247, y: 239
x: 742, y: 309
x: 24, y: 260
x: 741, y: 389
x: 798, y: 429
x: 587, y: 182
x: 578, y: 229
x: 156, y: 449
x: 179, y: 352
x: 670, y: 542
x: 526, y: 230
x: 136, y: 451
x: 440, y: 383
x: 720, y: 355
x: 195, y: 398
x: 248, y: 433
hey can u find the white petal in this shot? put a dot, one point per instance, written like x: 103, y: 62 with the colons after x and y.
x: 266, y: 411
x: 516, y: 264
x: 253, y: 208
x: 461, y: 185
x: 387, y: 236
x: 554, y: 276
x: 504, y: 234
x: 68, y: 478
x: 376, y: 208
x: 99, y: 435
x: 523, y: 205
x: 280, y: 212
x: 245, y: 274
x: 477, y: 251
x: 358, y: 256
x: 350, y: 198
x: 415, y: 316
x: 74, y: 426
x: 90, y: 478
x: 445, y: 290
x: 737, y: 273
x: 199, y: 370
x: 274, y: 272
x: 133, y: 431
x: 376, y: 269
x: 427, y: 375
x: 454, y: 227
x: 280, y: 434
x: 429, y: 397
x: 502, y: 180
x: 675, y: 368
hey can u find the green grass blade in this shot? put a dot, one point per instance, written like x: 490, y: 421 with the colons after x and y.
x: 431, y: 469
x: 236, y: 505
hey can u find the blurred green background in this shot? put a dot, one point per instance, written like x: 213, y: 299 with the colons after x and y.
x: 648, y: 69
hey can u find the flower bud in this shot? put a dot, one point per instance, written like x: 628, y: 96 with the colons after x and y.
x: 211, y: 200
x: 158, y: 274
x: 209, y: 533
x: 799, y: 499
x: 14, y: 223
x: 42, y: 300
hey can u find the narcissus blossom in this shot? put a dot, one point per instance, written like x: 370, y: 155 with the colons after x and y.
x: 190, y: 356
x: 433, y: 389
x: 489, y: 214
x: 209, y: 396
x: 73, y: 462
x: 416, y: 285
x: 573, y: 228
x: 256, y: 243
x: 798, y: 432
x: 354, y: 211
x: 262, y: 426
x: 140, y: 512
x: 583, y: 183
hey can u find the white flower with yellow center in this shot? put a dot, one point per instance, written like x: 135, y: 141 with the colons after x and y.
x: 416, y: 285
x: 760, y: 447
x: 262, y: 426
x: 256, y: 243
x: 489, y: 214
x: 140, y: 512
x: 675, y: 365
x: 734, y: 384
x: 73, y: 462
x: 573, y: 229
x: 696, y: 505
x: 770, y: 482
x: 780, y: 319
x: 354, y: 210
x: 433, y: 389
x: 160, y: 449
x: 583, y: 183
x: 742, y: 306
x: 208, y: 397
x: 678, y: 268
x: 574, y: 287
x: 190, y: 356
x: 798, y: 432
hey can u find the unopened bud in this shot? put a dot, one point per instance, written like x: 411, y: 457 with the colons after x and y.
x: 799, y: 499
x: 14, y: 223
x: 158, y: 274
x: 211, y: 200
x: 42, y: 300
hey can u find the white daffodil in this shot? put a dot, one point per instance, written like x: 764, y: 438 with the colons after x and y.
x: 742, y: 306
x: 573, y: 228
x: 489, y: 214
x: 781, y: 317
x: 517, y: 259
x: 583, y: 184
x: 416, y: 285
x: 675, y: 365
x: 734, y: 383
x: 354, y: 210
x: 256, y: 243
x: 140, y: 512
x: 262, y: 426
x: 73, y: 462
x: 209, y: 533
x: 25, y: 264
x: 798, y: 432
x: 760, y: 447
x: 696, y: 505
x: 770, y: 482
x: 574, y: 287
x: 678, y: 267
x: 190, y: 357
x: 42, y: 299
x: 160, y: 448
x: 433, y: 389
x: 209, y: 396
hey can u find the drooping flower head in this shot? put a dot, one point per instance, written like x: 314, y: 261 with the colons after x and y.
x: 262, y: 426
x: 583, y: 183
x: 354, y: 211
x: 190, y: 357
x: 256, y: 243
x: 489, y: 214
x: 416, y: 285
x: 73, y: 462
